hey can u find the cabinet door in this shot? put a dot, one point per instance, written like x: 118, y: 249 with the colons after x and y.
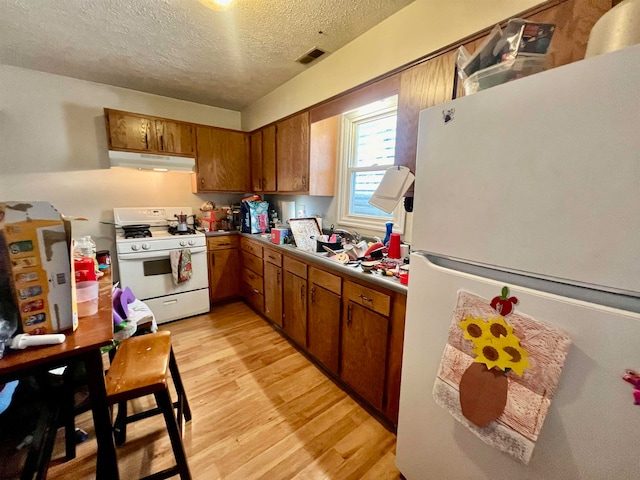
x: 273, y: 293
x: 130, y: 132
x: 269, y: 158
x: 222, y: 160
x: 292, y: 153
x: 422, y: 86
x: 256, y: 162
x: 364, y: 352
x: 175, y: 137
x: 224, y: 274
x: 324, y: 326
x: 295, y: 308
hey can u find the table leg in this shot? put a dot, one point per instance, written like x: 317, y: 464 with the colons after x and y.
x: 107, y: 463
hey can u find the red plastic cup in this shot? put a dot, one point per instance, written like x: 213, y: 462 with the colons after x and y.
x: 404, y: 278
x: 394, y: 246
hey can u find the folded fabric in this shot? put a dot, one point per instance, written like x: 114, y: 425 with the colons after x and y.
x: 121, y: 300
x: 139, y: 313
x: 181, y: 269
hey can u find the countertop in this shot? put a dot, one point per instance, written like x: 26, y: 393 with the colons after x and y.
x: 391, y: 283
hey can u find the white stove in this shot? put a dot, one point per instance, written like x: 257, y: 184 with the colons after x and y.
x: 145, y: 236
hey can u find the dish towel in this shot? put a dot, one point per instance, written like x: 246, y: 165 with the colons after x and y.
x: 181, y: 265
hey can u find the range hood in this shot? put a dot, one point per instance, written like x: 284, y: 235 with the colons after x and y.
x: 147, y: 161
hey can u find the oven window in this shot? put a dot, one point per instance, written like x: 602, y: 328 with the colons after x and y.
x: 157, y: 267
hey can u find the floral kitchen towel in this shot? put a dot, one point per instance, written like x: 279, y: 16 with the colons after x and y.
x: 181, y: 265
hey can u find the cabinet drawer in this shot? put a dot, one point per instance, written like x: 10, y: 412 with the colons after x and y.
x: 222, y: 242
x: 252, y: 247
x: 253, y: 280
x: 254, y: 297
x: 376, y: 301
x: 252, y: 263
x: 294, y: 266
x: 333, y: 283
x: 272, y: 256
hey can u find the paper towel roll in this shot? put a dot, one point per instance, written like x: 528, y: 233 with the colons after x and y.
x: 288, y: 210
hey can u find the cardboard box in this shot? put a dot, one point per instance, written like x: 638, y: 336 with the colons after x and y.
x: 36, y: 245
x: 278, y: 234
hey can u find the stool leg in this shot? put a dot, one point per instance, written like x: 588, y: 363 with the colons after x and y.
x: 164, y: 402
x: 183, y: 404
x: 68, y: 413
x: 120, y: 425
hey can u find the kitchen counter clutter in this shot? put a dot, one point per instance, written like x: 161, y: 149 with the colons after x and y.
x: 348, y: 322
x: 391, y: 283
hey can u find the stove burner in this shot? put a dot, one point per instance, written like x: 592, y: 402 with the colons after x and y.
x: 136, y: 231
x: 175, y: 231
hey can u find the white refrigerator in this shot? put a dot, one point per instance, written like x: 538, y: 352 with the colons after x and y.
x: 533, y: 185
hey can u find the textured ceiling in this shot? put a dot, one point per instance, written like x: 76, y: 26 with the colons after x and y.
x: 182, y: 48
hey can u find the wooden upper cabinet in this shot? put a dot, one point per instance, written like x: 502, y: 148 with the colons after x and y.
x: 222, y: 160
x: 263, y: 160
x: 129, y: 131
x: 256, y: 161
x: 144, y: 133
x: 422, y: 86
x: 269, y: 172
x: 292, y: 152
x: 175, y: 137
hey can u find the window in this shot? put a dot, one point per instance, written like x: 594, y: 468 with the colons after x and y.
x: 368, y: 150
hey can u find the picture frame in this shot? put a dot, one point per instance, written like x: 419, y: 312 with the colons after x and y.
x: 305, y: 231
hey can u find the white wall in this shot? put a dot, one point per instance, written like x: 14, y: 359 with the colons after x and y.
x: 53, y: 147
x: 420, y: 28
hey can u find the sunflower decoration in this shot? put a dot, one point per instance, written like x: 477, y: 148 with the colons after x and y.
x: 495, y: 344
x: 484, y: 385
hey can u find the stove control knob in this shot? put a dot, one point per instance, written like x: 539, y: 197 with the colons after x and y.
x: 135, y: 247
x: 192, y: 242
x: 146, y: 246
x: 183, y: 243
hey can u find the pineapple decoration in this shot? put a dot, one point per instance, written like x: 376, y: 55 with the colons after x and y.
x: 484, y: 385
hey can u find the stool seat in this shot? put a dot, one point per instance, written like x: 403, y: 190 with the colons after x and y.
x: 139, y: 368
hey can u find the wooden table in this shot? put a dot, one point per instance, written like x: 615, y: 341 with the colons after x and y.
x: 84, y: 344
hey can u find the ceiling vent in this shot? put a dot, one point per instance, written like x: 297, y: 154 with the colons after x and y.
x: 310, y: 56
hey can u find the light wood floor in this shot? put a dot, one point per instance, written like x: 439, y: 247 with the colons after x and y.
x: 261, y: 410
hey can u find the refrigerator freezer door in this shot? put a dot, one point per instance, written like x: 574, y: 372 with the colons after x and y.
x: 540, y: 175
x: 592, y: 426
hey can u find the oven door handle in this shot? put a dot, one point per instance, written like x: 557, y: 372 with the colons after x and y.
x: 149, y: 255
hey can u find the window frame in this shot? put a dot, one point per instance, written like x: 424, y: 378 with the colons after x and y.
x: 348, y: 143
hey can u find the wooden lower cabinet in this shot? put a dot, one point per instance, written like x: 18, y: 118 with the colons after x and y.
x: 354, y: 330
x: 295, y: 308
x: 364, y: 352
x: 224, y: 274
x: 323, y: 329
x: 273, y: 293
x: 252, y: 283
x: 224, y: 267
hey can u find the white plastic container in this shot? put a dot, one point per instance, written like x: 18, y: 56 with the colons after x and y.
x: 87, y: 298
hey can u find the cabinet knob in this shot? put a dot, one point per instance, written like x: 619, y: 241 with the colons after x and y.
x: 202, y: 181
x: 366, y: 299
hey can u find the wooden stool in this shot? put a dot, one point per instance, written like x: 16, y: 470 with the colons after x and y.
x: 140, y: 368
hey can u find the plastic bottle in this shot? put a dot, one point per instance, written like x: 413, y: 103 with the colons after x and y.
x: 86, y: 248
x: 389, y: 226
